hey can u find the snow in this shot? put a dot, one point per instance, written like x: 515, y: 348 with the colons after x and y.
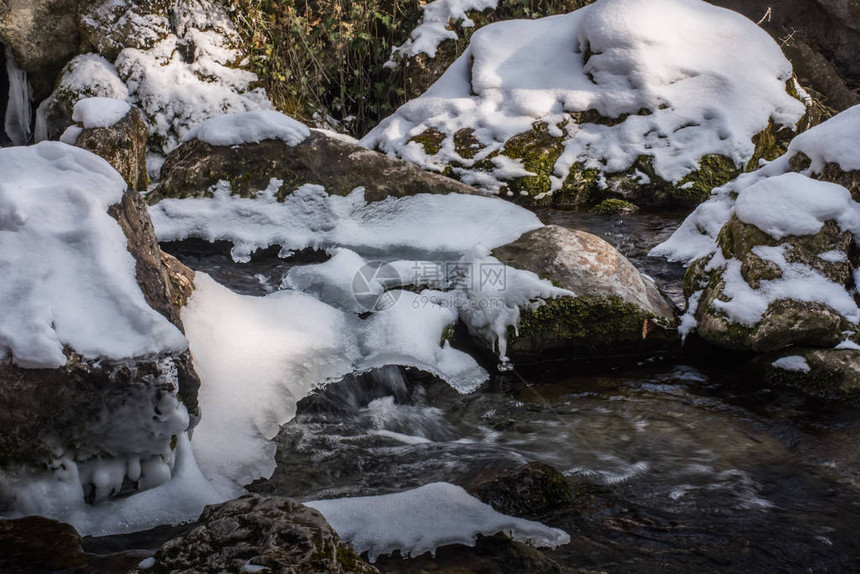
x: 834, y: 141
x: 100, y: 112
x: 793, y: 204
x: 68, y: 278
x: 256, y: 358
x: 668, y: 68
x: 18, y: 105
x: 434, y: 27
x: 249, y: 127
x: 420, y: 520
x: 799, y: 282
x: 794, y: 363
x: 310, y: 217
x: 87, y: 75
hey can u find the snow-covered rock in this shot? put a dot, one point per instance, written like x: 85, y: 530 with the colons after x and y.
x: 95, y: 373
x: 633, y: 98
x: 179, y: 62
x: 250, y: 149
x: 115, y: 131
x: 258, y: 534
x: 832, y: 374
x: 773, y: 255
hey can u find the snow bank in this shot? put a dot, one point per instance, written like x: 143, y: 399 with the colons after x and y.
x: 100, y: 112
x: 68, y: 278
x: 249, y: 127
x: 423, y: 519
x: 684, y: 79
x: 310, y: 217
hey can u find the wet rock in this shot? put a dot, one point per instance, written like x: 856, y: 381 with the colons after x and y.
x: 616, y: 310
x: 338, y: 165
x: 277, y: 534
x: 527, y: 490
x: 36, y: 545
x: 831, y: 374
x: 123, y: 145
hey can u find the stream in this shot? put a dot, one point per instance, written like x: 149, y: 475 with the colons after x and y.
x: 680, y: 465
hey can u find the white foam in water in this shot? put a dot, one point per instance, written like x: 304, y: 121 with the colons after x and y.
x: 423, y: 519
x: 18, y: 108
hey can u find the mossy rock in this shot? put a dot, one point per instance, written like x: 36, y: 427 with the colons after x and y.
x: 614, y: 310
x: 194, y: 167
x: 834, y: 374
x: 530, y: 489
x: 614, y: 207
x: 786, y: 322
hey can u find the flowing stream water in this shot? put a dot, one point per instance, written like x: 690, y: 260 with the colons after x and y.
x: 681, y: 465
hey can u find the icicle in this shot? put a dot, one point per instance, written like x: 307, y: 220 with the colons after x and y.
x: 18, y: 110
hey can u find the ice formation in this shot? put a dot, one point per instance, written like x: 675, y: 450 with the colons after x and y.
x: 19, y: 105
x: 421, y: 520
x: 68, y: 278
x: 681, y: 78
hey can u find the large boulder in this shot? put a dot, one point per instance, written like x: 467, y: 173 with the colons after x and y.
x: 315, y: 157
x: 255, y: 533
x: 614, y: 309
x: 96, y: 381
x: 43, y: 35
x: 180, y: 62
x: 605, y: 101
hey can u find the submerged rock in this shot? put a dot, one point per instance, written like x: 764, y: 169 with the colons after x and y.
x: 529, y: 490
x: 255, y: 533
x: 615, y: 310
x: 333, y: 162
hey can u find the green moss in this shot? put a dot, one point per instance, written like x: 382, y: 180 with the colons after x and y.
x: 614, y: 207
x: 714, y: 170
x: 579, y: 187
x: 447, y: 335
x: 466, y: 144
x: 585, y: 325
x: 431, y: 140
x: 538, y: 152
x: 770, y: 143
